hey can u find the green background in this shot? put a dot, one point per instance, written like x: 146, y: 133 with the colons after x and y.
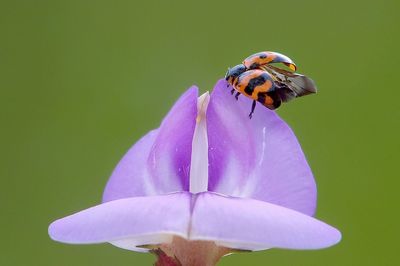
x: 81, y: 81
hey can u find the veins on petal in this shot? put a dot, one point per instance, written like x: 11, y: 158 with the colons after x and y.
x: 263, y: 147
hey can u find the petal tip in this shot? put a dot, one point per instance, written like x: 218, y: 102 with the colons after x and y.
x: 221, y: 84
x: 336, y: 237
x: 53, y: 231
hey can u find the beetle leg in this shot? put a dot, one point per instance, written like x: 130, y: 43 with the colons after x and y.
x: 253, y: 106
x: 237, y: 96
x: 232, y: 91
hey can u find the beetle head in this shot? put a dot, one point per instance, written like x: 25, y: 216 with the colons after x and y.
x: 234, y: 72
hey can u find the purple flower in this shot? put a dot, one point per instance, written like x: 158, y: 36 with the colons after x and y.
x: 208, y: 181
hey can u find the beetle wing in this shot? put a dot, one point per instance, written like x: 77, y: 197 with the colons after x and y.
x: 265, y: 58
x: 293, y: 84
x: 281, y: 58
x: 286, y: 94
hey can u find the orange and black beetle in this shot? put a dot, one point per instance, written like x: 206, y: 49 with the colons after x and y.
x: 263, y: 82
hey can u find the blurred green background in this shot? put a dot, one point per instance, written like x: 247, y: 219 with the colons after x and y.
x: 81, y: 81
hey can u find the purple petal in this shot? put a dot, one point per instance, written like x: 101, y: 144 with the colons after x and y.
x: 159, y: 163
x: 131, y: 176
x: 256, y: 158
x: 127, y: 222
x: 255, y: 225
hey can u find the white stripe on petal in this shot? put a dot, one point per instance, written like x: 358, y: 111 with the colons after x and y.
x: 199, y: 162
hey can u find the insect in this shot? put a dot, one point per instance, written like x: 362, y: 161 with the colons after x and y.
x: 260, y: 80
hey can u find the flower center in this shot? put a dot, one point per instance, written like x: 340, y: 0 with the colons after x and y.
x: 194, y: 253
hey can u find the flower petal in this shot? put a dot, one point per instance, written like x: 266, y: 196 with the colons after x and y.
x: 170, y: 156
x: 131, y: 176
x: 255, y: 225
x: 127, y: 223
x: 256, y: 158
x: 160, y: 162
